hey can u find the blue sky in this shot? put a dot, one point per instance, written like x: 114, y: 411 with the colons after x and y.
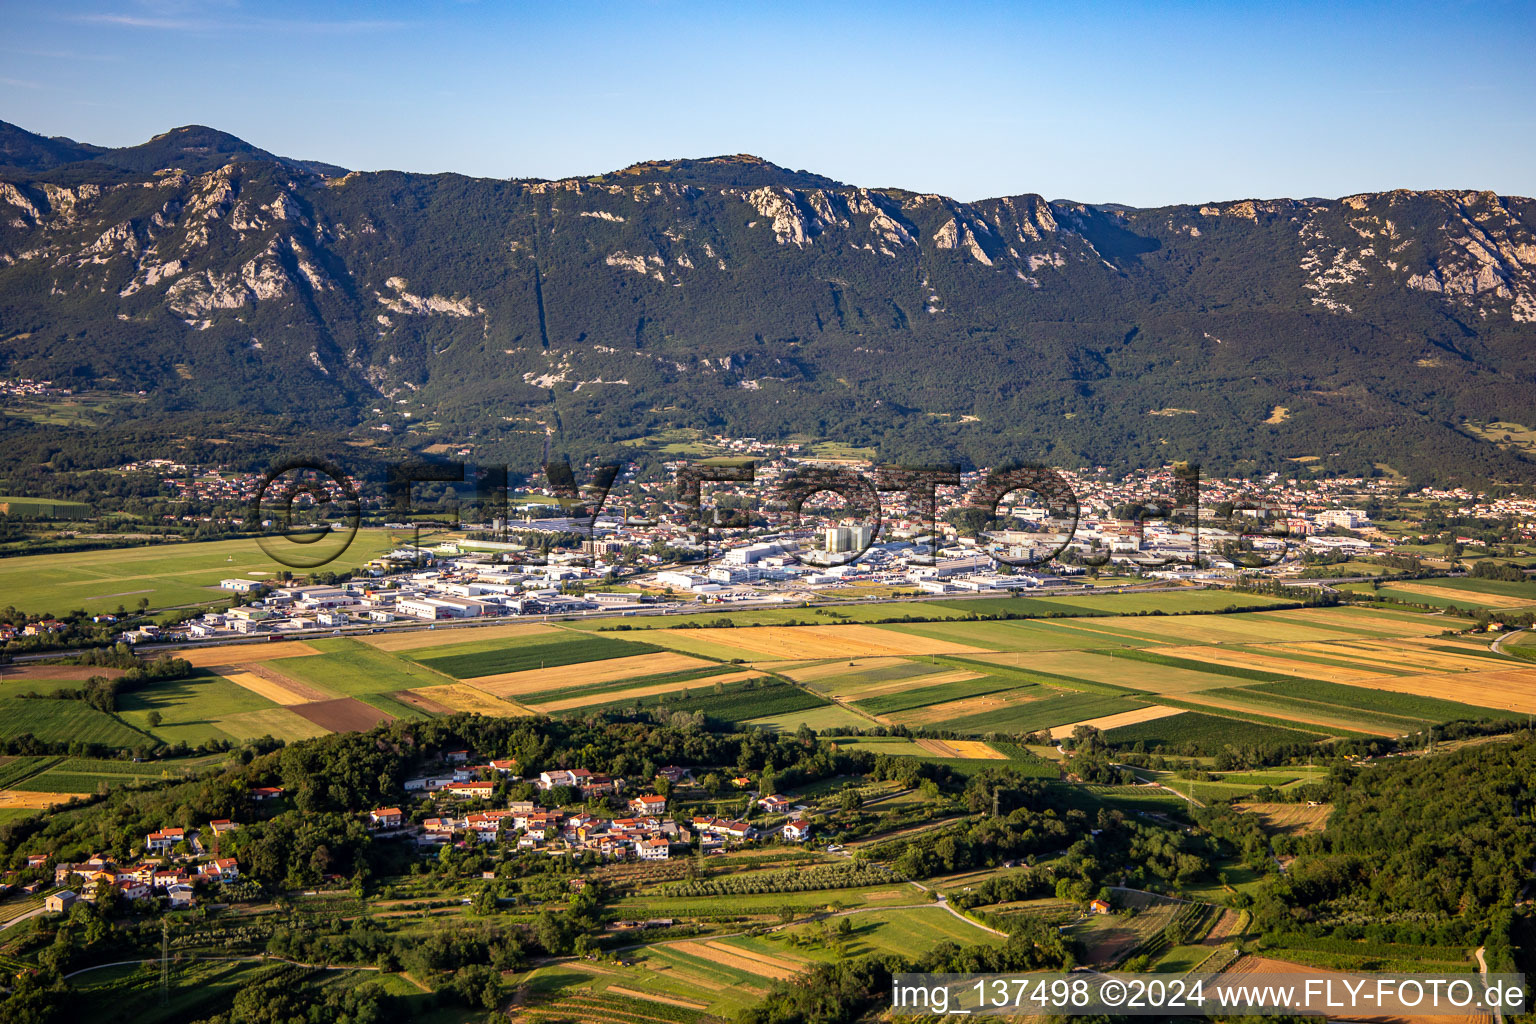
x: 1139, y: 103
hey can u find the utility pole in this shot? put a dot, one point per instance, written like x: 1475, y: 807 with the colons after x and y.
x: 165, y: 962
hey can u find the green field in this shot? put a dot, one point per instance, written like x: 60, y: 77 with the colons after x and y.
x: 1302, y: 694
x: 194, y: 710
x: 623, y: 685
x: 32, y: 508
x: 832, y: 716
x: 350, y: 668
x: 922, y: 696
x: 1038, y: 714
x: 65, y: 721
x: 1193, y: 727
x: 738, y: 703
x: 546, y: 652
x: 173, y: 575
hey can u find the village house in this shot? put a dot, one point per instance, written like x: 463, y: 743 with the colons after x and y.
x: 219, y: 826
x: 226, y: 869
x: 131, y: 890
x: 164, y: 840
x: 385, y: 817
x: 652, y: 849
x: 478, y: 790
x: 59, y: 902
x: 774, y: 804
x: 262, y: 793
x: 181, y: 895
x: 649, y: 804
x: 797, y: 831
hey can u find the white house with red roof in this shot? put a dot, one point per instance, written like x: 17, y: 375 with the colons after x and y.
x: 386, y: 817
x: 164, y: 840
x: 650, y: 804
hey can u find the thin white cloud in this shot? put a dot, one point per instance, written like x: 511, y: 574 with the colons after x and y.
x: 238, y: 24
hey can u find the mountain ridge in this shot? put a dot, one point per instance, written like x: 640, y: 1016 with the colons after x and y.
x: 727, y: 293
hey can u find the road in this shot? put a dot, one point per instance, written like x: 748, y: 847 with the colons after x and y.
x: 1497, y: 646
x: 1482, y: 969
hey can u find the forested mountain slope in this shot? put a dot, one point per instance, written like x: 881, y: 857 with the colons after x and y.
x: 235, y: 287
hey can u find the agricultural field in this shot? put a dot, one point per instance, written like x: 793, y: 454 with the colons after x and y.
x: 1462, y: 592
x: 1176, y: 731
x: 471, y: 661
x: 1290, y: 819
x: 177, y: 575
x: 66, y: 721
x: 1265, y: 675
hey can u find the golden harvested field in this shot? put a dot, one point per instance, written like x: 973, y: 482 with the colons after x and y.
x: 463, y: 697
x: 421, y: 639
x: 796, y: 642
x: 1147, y: 714
x: 17, y: 799
x: 1248, y: 965
x: 14, y: 673
x: 511, y: 684
x: 1510, y: 689
x: 1291, y: 819
x: 419, y: 699
x: 241, y: 654
x: 603, y: 696
x: 729, y: 956
x: 970, y: 750
x: 1465, y: 597
x: 1415, y: 652
x: 1245, y: 659
x: 275, y: 687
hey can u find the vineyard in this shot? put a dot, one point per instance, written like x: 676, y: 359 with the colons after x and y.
x: 829, y: 876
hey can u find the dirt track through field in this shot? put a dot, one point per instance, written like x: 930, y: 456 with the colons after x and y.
x: 608, y: 670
